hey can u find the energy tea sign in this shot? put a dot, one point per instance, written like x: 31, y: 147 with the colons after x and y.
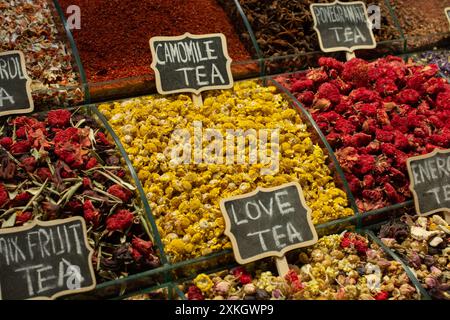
x: 45, y: 260
x: 343, y: 26
x: 191, y: 63
x: 430, y: 181
x: 268, y: 222
x: 15, y: 85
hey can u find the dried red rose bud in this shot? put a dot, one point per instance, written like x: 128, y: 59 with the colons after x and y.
x: 87, y: 184
x: 302, y: 85
x: 120, y: 192
x: 194, y: 293
x: 383, y: 295
x: 119, y: 221
x: 330, y: 92
x: 21, y: 199
x: 144, y: 247
x: 44, y: 174
x: 20, y: 147
x: 306, y: 97
x: 23, y: 217
x: 29, y: 164
x: 91, y: 214
x: 59, y: 118
x: 101, y: 138
x: 92, y: 162
x: 6, y: 142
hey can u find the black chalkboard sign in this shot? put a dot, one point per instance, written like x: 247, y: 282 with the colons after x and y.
x: 342, y: 26
x: 268, y: 222
x: 45, y: 260
x: 15, y: 85
x: 191, y: 63
x: 430, y: 181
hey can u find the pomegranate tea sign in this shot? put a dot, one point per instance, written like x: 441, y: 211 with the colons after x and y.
x: 45, y: 260
x: 191, y: 63
x: 15, y: 85
x: 268, y: 222
x: 342, y: 26
x: 430, y: 181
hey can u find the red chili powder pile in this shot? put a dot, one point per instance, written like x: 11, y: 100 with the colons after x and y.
x: 114, y: 37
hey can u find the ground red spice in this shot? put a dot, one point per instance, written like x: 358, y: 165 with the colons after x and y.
x: 114, y: 38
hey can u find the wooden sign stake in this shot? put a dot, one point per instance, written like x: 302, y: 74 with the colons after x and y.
x: 350, y: 55
x: 197, y: 99
x: 282, y: 266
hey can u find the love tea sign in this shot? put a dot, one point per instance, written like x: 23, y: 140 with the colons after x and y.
x: 268, y: 222
x: 45, y: 260
x: 15, y: 85
x: 343, y: 26
x: 430, y: 181
x: 191, y: 63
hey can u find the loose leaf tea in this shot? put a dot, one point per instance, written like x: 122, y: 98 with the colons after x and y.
x: 423, y: 243
x: 62, y: 164
x: 113, y: 40
x: 30, y: 26
x: 375, y: 115
x: 339, y: 267
x: 284, y: 27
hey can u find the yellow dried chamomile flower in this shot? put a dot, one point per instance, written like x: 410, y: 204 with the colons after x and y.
x: 203, y: 282
x: 193, y: 189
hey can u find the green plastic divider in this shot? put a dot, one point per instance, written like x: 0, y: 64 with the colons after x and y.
x: 144, y: 200
x: 409, y: 272
x: 75, y: 52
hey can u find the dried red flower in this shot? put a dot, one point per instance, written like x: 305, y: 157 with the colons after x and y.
x: 142, y: 246
x: 120, y: 192
x: 59, y: 118
x: 119, y: 221
x: 20, y: 147
x: 23, y: 217
x: 6, y: 142
x: 91, y: 214
x: 4, y: 197
x: 382, y: 295
x: 194, y: 293
x: 29, y: 164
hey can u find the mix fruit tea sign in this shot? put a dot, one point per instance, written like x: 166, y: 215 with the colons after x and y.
x: 191, y: 63
x: 268, y: 222
x: 45, y: 260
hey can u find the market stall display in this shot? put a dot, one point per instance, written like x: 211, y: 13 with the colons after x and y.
x: 61, y: 164
x: 375, y: 115
x: 185, y: 196
x: 424, y: 244
x: 338, y: 267
x: 34, y: 28
x: 146, y: 174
